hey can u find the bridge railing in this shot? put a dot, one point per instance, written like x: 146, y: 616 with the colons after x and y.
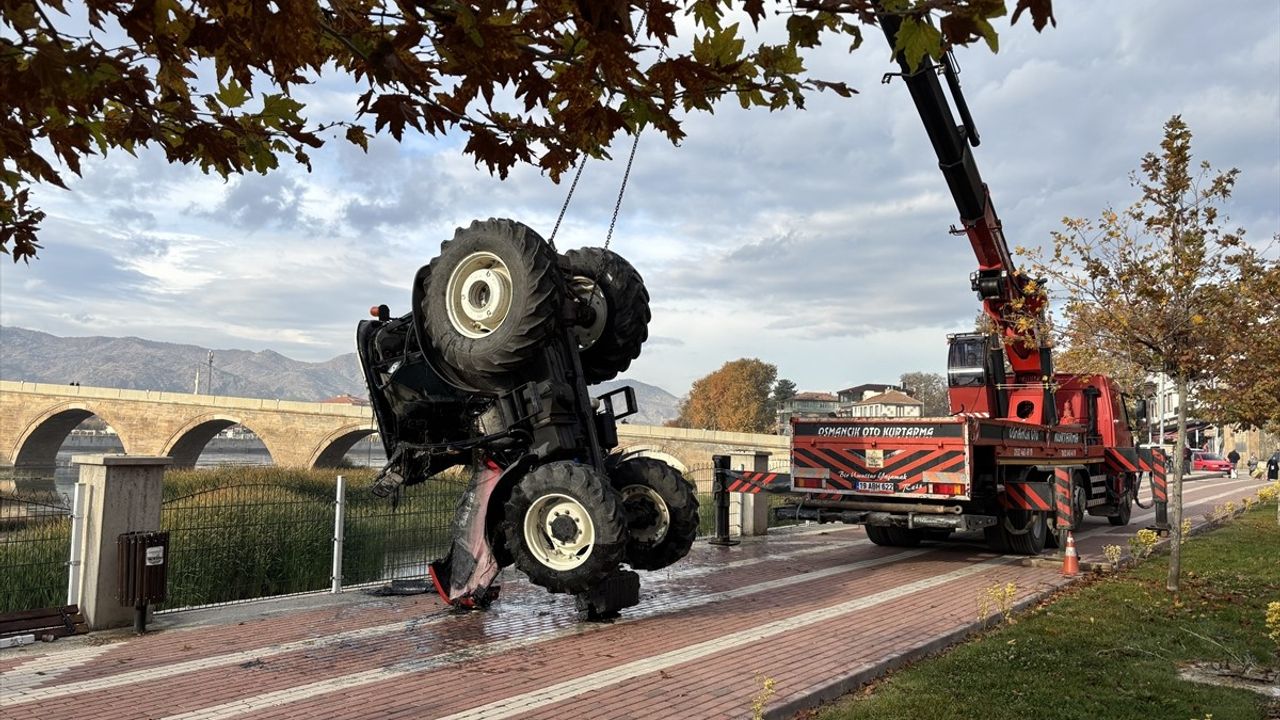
x: 35, y: 541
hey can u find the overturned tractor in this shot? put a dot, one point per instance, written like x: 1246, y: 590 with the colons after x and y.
x: 491, y: 369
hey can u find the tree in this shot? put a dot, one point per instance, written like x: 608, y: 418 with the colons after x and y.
x: 1246, y: 390
x: 783, y: 390
x: 930, y: 389
x: 1162, y: 286
x: 733, y: 398
x: 543, y: 82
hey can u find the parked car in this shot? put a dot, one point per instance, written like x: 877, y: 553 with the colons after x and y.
x: 1209, y: 462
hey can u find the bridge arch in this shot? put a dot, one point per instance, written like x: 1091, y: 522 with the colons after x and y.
x: 335, y: 446
x: 185, y: 445
x: 657, y: 454
x: 36, y: 451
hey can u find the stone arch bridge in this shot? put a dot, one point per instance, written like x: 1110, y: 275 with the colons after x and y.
x: 35, y: 419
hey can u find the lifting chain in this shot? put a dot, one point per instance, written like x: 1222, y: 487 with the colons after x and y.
x: 622, y: 190
x: 572, y: 186
x: 626, y: 174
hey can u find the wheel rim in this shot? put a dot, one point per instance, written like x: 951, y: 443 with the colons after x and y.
x: 589, y: 293
x: 558, y: 532
x: 478, y: 294
x: 656, y: 531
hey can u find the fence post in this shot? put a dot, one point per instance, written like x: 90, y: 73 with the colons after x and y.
x: 753, y: 507
x: 79, y: 503
x: 720, y: 498
x: 126, y: 498
x: 339, y: 518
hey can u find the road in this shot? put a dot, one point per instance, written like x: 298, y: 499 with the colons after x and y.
x: 818, y: 610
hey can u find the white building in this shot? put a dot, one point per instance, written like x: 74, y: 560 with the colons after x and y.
x: 888, y: 404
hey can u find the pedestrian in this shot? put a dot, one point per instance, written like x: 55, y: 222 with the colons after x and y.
x: 1233, y: 457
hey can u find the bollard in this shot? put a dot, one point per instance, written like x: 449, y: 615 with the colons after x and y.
x: 1160, y: 490
x: 720, y: 499
x: 339, y: 522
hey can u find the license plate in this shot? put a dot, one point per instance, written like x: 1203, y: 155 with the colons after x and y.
x: 876, y: 486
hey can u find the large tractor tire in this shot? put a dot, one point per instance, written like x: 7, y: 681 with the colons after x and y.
x: 661, y: 509
x: 565, y: 527
x: 492, y: 301
x: 894, y: 536
x: 612, y: 287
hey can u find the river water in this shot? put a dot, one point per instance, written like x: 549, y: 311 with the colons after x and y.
x: 367, y: 452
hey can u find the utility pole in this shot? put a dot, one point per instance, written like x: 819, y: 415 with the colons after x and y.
x: 209, y: 382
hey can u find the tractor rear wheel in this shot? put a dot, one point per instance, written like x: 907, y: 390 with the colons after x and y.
x: 605, y: 282
x: 565, y: 527
x: 661, y: 509
x: 492, y: 301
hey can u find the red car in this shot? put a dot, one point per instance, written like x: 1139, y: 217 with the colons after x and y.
x: 1210, y: 462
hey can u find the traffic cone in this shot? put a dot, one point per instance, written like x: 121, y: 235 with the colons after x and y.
x: 1070, y: 560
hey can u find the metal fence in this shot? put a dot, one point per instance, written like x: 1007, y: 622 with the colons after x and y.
x: 239, y: 541
x: 242, y: 541
x: 395, y: 538
x: 35, y: 541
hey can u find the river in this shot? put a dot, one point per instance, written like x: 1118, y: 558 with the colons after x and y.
x: 367, y: 452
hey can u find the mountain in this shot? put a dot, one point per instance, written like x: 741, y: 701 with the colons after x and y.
x: 138, y: 364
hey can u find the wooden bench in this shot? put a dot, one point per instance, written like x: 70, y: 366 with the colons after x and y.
x: 46, y: 623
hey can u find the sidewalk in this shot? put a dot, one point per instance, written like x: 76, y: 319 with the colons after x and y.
x: 818, y: 610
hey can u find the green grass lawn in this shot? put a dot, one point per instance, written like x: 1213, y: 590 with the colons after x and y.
x: 1110, y: 648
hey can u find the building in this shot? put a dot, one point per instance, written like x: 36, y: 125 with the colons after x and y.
x: 888, y: 404
x: 858, y: 393
x: 806, y: 405
x: 867, y: 400
x: 1162, y: 417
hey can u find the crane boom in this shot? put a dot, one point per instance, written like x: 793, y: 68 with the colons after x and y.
x: 1014, y: 302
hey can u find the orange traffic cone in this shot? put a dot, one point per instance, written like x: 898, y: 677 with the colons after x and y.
x: 1070, y: 560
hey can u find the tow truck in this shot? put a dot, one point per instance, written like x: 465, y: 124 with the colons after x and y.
x: 1027, y: 453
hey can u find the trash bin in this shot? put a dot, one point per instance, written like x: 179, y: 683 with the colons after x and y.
x: 143, y: 575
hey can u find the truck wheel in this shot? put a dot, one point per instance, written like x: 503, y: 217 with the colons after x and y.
x: 996, y: 538
x: 1124, y: 512
x: 607, y: 283
x: 1030, y: 542
x: 492, y: 300
x: 565, y: 527
x: 661, y: 509
x: 894, y: 536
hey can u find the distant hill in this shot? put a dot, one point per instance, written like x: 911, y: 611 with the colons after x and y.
x: 138, y: 364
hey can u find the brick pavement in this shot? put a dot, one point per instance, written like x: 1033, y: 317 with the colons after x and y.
x: 818, y: 610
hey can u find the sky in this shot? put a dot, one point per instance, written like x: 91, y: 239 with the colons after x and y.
x: 815, y: 239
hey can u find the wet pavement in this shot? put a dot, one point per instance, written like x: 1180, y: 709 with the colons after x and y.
x: 816, y: 609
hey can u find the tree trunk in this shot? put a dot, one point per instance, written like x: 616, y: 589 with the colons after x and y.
x: 1175, y: 490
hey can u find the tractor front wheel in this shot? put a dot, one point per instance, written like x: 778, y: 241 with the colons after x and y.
x: 565, y: 527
